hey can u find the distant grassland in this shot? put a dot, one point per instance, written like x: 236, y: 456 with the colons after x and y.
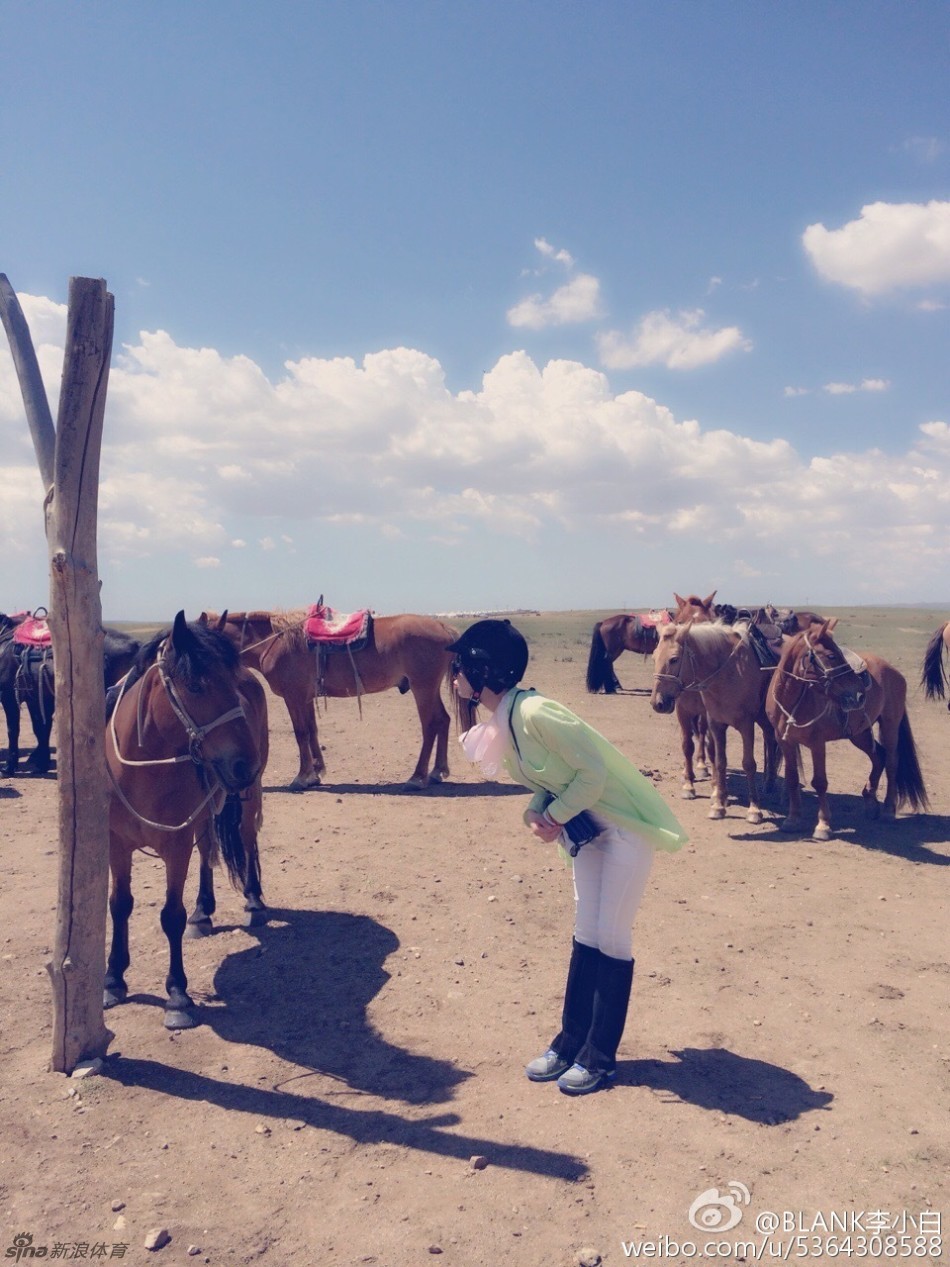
x: 899, y: 634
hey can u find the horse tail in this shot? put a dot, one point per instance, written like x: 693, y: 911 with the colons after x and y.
x: 227, y: 833
x: 600, y: 675
x: 933, y: 676
x: 910, y: 780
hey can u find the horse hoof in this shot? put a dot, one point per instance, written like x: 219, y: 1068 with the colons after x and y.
x: 754, y: 816
x: 304, y: 785
x: 200, y: 928
x: 255, y: 918
x: 688, y: 793
x: 176, y: 1018
x: 716, y: 812
x: 821, y: 834
x: 415, y: 785
x: 436, y: 776
x: 790, y: 824
x: 113, y: 996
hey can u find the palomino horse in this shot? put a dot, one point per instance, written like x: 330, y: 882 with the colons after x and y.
x: 186, y: 743
x: 720, y: 666
x: 933, y: 678
x: 614, y: 635
x: 817, y: 695
x: 403, y: 651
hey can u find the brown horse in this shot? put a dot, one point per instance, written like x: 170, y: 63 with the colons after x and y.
x: 403, y: 651
x: 695, y: 737
x: 186, y: 742
x: 719, y: 665
x: 817, y: 695
x: 933, y: 677
x: 611, y: 637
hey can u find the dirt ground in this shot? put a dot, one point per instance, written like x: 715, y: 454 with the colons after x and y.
x: 789, y: 1031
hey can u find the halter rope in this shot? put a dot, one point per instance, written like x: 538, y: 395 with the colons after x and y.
x: 827, y: 676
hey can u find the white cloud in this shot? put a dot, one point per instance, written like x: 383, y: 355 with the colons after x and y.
x: 576, y: 301
x: 848, y: 389
x: 381, y: 451
x: 796, y: 391
x: 892, y: 246
x: 551, y: 253
x: 679, y: 343
x: 926, y: 149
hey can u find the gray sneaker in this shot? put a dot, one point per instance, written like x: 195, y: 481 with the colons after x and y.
x: 580, y: 1081
x: 547, y: 1067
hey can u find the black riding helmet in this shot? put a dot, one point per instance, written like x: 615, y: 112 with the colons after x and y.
x: 491, y: 653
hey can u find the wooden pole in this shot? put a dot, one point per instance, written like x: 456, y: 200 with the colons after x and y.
x: 68, y: 458
x: 75, y: 610
x: 31, y: 381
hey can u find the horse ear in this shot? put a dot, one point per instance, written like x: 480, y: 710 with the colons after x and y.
x: 203, y: 618
x: 707, y: 602
x: 180, y: 632
x: 830, y: 623
x: 680, y: 602
x: 222, y: 620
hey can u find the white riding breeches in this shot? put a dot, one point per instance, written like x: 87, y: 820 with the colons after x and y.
x: 610, y: 877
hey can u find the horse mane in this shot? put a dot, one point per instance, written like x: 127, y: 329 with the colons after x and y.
x: 715, y: 634
x: 208, y: 649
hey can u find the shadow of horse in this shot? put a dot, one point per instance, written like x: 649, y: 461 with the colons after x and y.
x: 302, y: 991
x: 720, y: 1080
x: 905, y: 837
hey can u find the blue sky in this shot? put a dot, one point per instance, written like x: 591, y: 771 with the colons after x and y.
x: 431, y: 306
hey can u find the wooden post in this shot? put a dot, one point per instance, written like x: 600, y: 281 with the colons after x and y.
x: 75, y: 612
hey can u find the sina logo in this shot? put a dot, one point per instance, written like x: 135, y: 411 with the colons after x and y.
x: 23, y: 1247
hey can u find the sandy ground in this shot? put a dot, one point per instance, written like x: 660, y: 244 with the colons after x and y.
x: 789, y: 1032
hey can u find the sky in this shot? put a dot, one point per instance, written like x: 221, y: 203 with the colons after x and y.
x: 450, y: 307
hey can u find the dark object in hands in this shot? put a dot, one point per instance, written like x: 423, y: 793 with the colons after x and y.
x: 580, y: 830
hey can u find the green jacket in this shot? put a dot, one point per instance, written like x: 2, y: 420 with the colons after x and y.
x: 561, y: 754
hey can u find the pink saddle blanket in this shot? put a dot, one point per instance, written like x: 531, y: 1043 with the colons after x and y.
x: 654, y: 618
x: 330, y: 628
x: 33, y: 631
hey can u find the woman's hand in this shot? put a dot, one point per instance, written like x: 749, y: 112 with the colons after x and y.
x: 542, y: 827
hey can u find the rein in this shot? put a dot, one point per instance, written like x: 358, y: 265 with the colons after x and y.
x: 195, y: 735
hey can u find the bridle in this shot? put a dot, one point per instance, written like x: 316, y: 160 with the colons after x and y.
x: 195, y: 733
x: 825, y: 677
x: 694, y: 685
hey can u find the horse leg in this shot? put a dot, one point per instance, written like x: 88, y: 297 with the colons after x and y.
x: 11, y: 709
x: 747, y: 731
x: 316, y: 752
x: 717, y: 808
x: 303, y: 720
x: 819, y: 781
x: 178, y: 1014
x: 877, y: 754
x: 793, y: 786
x: 121, y: 903
x: 686, y: 736
x: 251, y: 821
x: 200, y: 920
x: 40, y: 706
x: 435, y: 726
x: 770, y: 759
x: 707, y: 752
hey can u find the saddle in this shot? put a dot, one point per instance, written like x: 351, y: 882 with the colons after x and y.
x: 337, y: 631
x: 328, y: 631
x: 34, y: 631
x: 652, y: 619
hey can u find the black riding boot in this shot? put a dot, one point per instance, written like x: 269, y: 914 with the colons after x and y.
x: 596, y: 1060
x: 575, y: 1018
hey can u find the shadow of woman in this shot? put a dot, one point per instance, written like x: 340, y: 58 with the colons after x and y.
x: 302, y: 990
x: 718, y: 1079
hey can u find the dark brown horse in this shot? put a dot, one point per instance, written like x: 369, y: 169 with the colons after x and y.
x: 186, y: 742
x: 614, y: 635
x: 720, y: 666
x: 933, y: 677
x: 406, y: 651
x: 817, y: 695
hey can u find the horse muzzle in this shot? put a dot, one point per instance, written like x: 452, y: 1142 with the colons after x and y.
x: 235, y: 773
x: 662, y: 703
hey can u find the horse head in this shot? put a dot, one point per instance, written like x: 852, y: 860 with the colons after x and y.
x: 816, y: 658
x: 670, y: 667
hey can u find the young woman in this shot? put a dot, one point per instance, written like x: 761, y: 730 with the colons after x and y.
x: 570, y: 768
